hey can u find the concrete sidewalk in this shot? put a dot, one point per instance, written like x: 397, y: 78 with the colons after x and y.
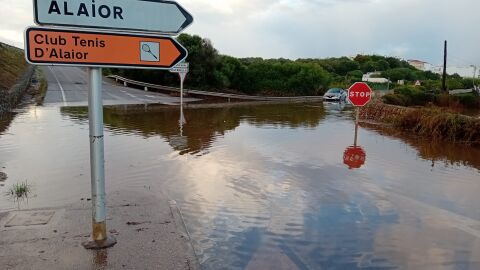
x: 150, y: 234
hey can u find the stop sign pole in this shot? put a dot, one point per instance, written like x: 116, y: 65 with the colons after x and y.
x: 359, y: 94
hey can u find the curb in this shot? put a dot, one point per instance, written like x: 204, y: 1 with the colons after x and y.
x: 192, y: 262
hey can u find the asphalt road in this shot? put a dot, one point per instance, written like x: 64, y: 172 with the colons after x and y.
x: 68, y: 86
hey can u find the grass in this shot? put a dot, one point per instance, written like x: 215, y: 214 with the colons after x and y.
x: 12, y: 65
x: 19, y: 191
x: 42, y: 90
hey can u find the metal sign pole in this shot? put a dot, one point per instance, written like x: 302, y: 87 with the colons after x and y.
x: 182, y: 118
x: 181, y: 87
x: 356, y: 125
x: 97, y: 163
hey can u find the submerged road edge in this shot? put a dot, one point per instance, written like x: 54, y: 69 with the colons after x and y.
x: 182, y: 228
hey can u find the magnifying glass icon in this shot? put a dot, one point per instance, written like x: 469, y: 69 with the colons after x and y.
x: 147, y: 49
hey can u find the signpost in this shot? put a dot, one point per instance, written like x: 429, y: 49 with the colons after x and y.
x: 182, y: 70
x: 101, y: 49
x: 359, y: 94
x: 108, y: 46
x: 167, y: 17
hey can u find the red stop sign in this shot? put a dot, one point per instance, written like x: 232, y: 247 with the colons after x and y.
x: 360, y: 94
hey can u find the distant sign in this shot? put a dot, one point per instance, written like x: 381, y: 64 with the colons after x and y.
x: 100, y: 49
x: 137, y: 15
x: 360, y: 94
x: 181, y: 67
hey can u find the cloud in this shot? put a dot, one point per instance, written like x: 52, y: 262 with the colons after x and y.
x: 317, y: 28
x: 15, y: 16
x: 324, y: 28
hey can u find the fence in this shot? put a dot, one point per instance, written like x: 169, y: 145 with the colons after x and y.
x: 148, y: 86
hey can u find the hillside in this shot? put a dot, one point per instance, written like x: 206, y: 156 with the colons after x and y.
x: 12, y: 65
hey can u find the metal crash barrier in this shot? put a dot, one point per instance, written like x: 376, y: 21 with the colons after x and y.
x: 146, y: 86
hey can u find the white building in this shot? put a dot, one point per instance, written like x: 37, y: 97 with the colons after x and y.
x: 374, y: 77
x: 418, y: 64
x: 465, y: 72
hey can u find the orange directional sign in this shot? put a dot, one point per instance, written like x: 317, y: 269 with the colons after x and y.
x: 100, y: 49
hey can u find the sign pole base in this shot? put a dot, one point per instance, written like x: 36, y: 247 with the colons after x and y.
x: 99, y: 239
x: 104, y: 244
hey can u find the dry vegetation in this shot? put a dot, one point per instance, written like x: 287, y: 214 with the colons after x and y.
x: 434, y: 123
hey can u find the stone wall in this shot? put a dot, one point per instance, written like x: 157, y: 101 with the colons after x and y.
x: 381, y: 112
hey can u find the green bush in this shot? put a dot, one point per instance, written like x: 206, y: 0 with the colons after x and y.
x: 468, y: 100
x: 395, y: 99
x: 413, y: 96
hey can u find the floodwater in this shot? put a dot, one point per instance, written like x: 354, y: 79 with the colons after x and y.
x: 266, y: 186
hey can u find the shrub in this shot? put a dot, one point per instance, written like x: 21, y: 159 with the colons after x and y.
x: 469, y: 100
x: 395, y: 99
x: 408, y: 96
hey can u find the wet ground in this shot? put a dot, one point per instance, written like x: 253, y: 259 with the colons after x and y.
x: 266, y: 187
x: 67, y: 86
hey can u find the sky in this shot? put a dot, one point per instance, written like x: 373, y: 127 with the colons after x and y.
x: 409, y: 29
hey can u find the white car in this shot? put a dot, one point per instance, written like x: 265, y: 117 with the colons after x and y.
x: 335, y: 95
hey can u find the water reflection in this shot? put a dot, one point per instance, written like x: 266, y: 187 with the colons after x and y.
x: 5, y: 120
x: 438, y: 152
x: 100, y: 259
x: 354, y: 157
x: 204, y: 124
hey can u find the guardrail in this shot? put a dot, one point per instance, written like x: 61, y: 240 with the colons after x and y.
x: 460, y: 91
x: 147, y: 86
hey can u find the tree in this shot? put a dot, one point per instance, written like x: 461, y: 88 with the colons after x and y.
x: 204, y: 61
x: 355, y: 75
x: 400, y: 74
x: 368, y: 66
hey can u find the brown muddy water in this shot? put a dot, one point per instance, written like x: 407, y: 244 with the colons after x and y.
x: 266, y: 187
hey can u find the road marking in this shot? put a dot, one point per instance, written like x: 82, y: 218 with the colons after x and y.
x: 150, y: 96
x: 115, y: 97
x: 61, y: 88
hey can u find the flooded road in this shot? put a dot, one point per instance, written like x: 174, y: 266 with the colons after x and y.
x: 266, y: 187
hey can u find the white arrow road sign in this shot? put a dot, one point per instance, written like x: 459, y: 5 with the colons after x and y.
x: 166, y: 17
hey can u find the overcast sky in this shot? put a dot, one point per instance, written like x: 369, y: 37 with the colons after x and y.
x: 317, y: 28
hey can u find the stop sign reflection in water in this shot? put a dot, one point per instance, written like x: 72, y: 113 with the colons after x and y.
x: 354, y: 157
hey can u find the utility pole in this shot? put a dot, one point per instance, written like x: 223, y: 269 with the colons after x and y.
x: 444, y: 79
x: 474, y: 73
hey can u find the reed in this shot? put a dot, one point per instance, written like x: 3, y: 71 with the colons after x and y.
x: 435, y: 123
x: 19, y: 191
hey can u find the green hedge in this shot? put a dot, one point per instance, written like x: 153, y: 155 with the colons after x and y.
x: 417, y: 96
